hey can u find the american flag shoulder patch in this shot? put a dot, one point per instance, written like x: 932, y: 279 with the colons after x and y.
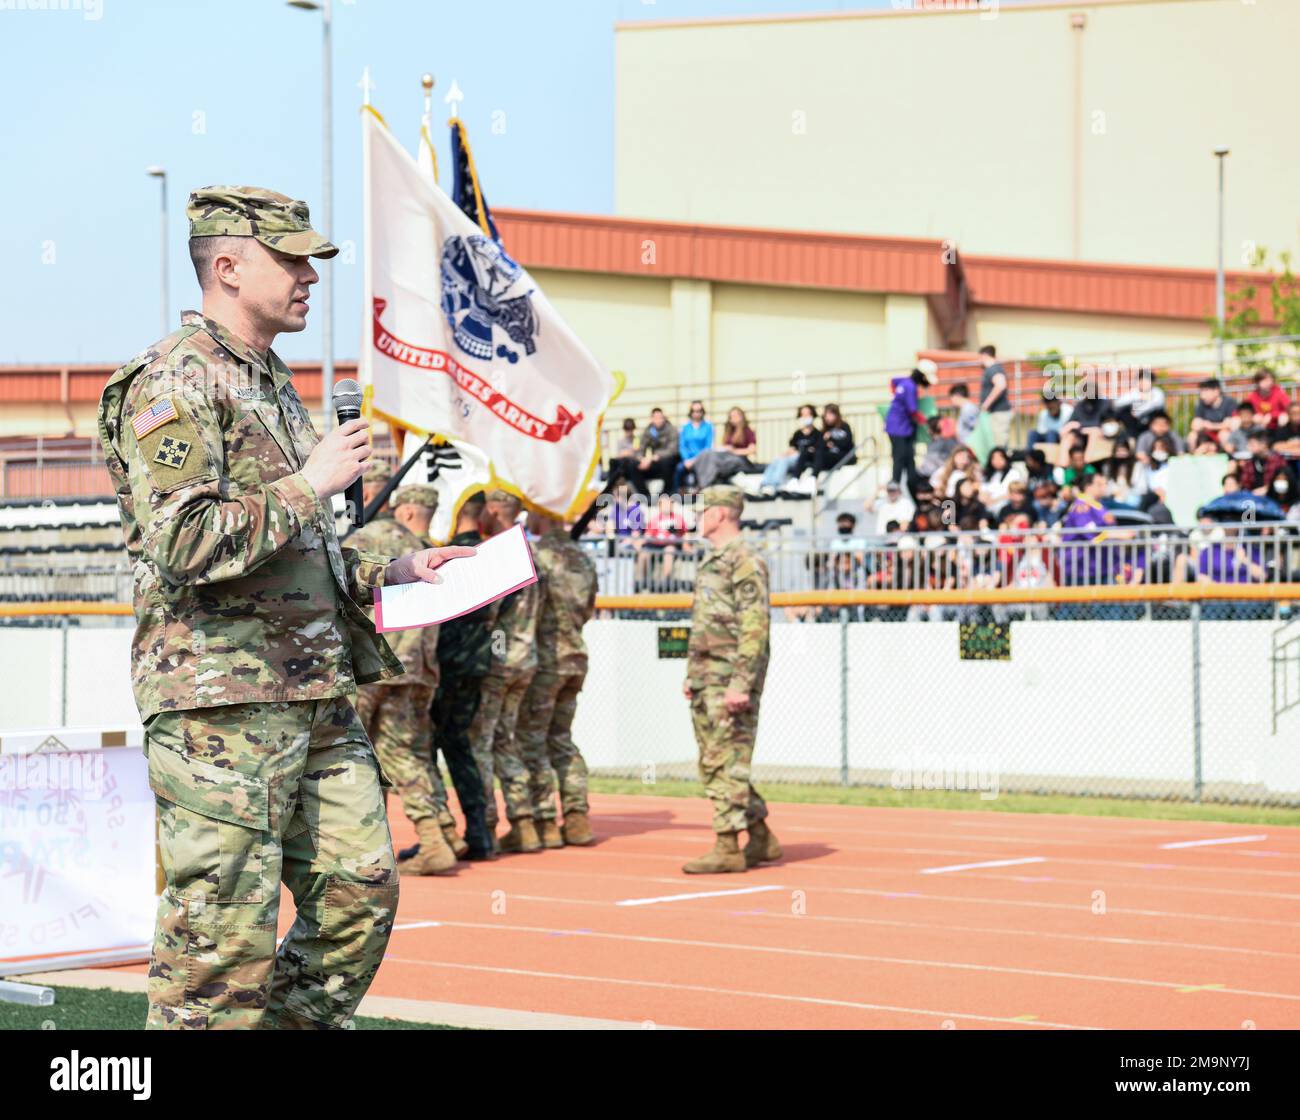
x: 155, y: 416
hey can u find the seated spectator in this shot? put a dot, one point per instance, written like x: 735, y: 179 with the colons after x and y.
x: 999, y: 472
x: 738, y: 446
x: 943, y: 438
x: 658, y: 453
x: 1136, y: 408
x: 1085, y: 522
x: 970, y: 507
x: 1158, y: 426
x: 804, y: 446
x: 623, y: 461
x: 1019, y: 503
x: 1150, y: 479
x: 1268, y: 400
x: 837, y: 440
x: 1285, y: 438
x: 968, y: 412
x: 1262, y: 470
x: 1235, y: 441
x: 624, y: 515
x: 1222, y: 557
x: 664, y: 531
x: 1036, y: 468
x: 1072, y: 473
x: 960, y: 463
x: 891, y: 504
x: 696, y: 437
x: 1119, y: 470
x: 1212, y: 419
x: 1091, y: 412
x: 1047, y: 498
x: 848, y: 556
x: 1052, y: 417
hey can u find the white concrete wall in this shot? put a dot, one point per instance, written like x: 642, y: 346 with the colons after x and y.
x: 1100, y: 700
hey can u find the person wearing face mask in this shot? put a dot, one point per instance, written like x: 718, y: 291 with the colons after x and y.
x: 1119, y: 470
x: 902, y: 420
x: 802, y: 456
x: 1091, y: 412
x: 1159, y: 427
x: 1261, y: 472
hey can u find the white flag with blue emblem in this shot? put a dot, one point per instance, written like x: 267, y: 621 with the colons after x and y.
x: 459, y: 340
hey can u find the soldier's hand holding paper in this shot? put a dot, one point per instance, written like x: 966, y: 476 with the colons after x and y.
x: 479, y: 576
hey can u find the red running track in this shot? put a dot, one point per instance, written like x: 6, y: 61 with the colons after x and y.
x: 1106, y: 929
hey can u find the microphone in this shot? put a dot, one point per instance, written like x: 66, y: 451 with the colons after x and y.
x: 347, y: 406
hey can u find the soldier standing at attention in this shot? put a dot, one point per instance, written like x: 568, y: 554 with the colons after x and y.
x: 567, y: 578
x: 464, y: 658
x: 249, y: 639
x: 396, y: 713
x: 726, y: 665
x: 514, y: 661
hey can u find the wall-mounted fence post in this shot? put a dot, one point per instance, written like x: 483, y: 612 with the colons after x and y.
x: 844, y: 696
x: 1196, y: 700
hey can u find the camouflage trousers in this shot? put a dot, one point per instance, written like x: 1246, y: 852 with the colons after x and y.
x: 454, y: 706
x: 545, y: 735
x: 250, y: 795
x: 396, y: 717
x: 496, y: 746
x: 726, y: 744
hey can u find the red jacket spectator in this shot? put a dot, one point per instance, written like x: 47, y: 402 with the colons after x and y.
x: 1269, y: 400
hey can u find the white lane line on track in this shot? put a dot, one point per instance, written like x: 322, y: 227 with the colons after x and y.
x: 985, y: 863
x: 533, y: 973
x: 1208, y: 843
x: 415, y: 925
x: 869, y: 958
x: 696, y: 894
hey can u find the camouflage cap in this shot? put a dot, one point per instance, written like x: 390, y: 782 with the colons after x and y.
x: 378, y: 471
x: 505, y: 497
x: 730, y: 496
x: 277, y: 221
x: 417, y: 494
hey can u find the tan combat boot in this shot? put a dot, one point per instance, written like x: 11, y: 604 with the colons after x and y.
x: 726, y: 856
x: 577, y: 830
x: 436, y: 856
x: 763, y: 846
x: 549, y: 832
x: 454, y: 840
x: 522, y: 837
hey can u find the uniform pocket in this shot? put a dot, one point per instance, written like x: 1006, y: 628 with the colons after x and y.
x: 210, y: 791
x: 210, y: 860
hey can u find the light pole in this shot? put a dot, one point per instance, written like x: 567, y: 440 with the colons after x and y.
x: 327, y: 208
x: 159, y: 173
x: 1219, y: 306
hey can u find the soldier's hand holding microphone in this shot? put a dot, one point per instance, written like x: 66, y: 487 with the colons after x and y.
x: 336, y: 463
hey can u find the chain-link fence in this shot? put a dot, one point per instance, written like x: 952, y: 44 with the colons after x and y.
x: 1188, y: 700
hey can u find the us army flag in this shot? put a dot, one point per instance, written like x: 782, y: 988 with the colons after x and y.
x: 459, y: 340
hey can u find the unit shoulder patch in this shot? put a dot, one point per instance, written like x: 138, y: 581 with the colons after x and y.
x: 172, y: 452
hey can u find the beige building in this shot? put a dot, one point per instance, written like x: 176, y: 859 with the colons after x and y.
x: 1079, y: 131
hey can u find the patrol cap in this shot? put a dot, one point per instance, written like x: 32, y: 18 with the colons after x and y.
x: 730, y: 496
x: 378, y: 471
x: 276, y: 220
x: 417, y: 494
x: 505, y: 497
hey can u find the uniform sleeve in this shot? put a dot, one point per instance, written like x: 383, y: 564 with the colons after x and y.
x: 753, y: 620
x: 365, y: 571
x: 191, y: 533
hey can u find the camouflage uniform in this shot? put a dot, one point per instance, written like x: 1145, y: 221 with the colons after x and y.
x: 396, y: 713
x: 464, y: 658
x: 729, y: 648
x: 568, y: 599
x: 493, y: 733
x: 249, y: 639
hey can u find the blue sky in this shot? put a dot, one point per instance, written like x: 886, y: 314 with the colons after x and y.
x: 228, y: 91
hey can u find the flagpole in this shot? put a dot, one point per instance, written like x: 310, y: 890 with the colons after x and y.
x: 367, y: 254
